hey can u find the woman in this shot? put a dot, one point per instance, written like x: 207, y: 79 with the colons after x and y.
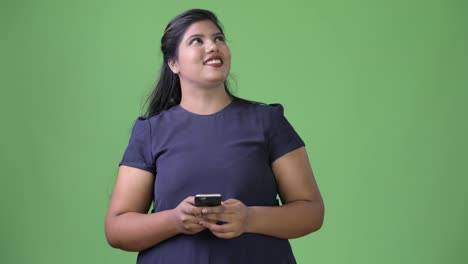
x: 198, y: 138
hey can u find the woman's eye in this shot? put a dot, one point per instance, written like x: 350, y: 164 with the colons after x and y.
x: 219, y: 38
x: 196, y: 41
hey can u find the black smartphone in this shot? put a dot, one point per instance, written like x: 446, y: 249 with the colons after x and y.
x: 202, y: 200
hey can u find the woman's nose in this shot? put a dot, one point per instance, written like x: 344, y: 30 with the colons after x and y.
x: 212, y: 46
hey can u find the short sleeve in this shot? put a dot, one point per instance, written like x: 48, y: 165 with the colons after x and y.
x: 138, y: 153
x: 282, y: 138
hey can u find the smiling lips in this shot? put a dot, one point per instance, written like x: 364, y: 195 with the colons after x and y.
x: 214, y: 61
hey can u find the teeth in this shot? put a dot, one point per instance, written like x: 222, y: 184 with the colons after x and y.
x: 215, y: 61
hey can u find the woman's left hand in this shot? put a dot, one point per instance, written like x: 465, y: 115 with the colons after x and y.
x: 233, y: 213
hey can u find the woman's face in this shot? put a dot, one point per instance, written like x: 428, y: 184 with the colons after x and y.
x: 203, y: 57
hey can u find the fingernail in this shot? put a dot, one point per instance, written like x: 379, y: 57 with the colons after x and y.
x: 205, y: 211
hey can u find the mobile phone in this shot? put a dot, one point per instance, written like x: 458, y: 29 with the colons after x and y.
x: 213, y: 199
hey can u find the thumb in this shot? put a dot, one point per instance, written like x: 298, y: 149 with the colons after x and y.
x: 230, y: 201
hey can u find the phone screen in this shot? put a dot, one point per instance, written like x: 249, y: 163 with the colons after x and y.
x: 208, y: 200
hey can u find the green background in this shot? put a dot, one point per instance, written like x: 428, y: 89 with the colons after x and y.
x: 377, y: 90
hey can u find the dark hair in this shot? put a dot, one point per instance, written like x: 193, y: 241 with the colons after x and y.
x: 167, y: 92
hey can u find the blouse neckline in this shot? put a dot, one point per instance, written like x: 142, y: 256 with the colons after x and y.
x: 226, y: 108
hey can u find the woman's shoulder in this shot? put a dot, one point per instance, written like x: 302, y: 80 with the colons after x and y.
x: 265, y: 109
x: 261, y: 106
x: 150, y: 124
x: 157, y: 117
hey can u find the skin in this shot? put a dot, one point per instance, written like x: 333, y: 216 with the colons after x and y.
x: 202, y: 85
x: 129, y: 227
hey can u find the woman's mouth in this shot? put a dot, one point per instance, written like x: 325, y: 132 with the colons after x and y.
x: 214, y: 61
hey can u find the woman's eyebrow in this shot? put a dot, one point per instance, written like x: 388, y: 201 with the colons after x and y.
x: 217, y: 34
x: 202, y: 35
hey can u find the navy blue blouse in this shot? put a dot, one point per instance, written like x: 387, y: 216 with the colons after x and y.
x: 228, y: 152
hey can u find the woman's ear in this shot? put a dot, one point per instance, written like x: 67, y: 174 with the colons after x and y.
x: 173, y: 65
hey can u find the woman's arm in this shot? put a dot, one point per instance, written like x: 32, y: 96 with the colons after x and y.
x: 127, y: 224
x: 302, y: 211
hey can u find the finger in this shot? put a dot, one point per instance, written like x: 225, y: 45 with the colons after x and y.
x: 190, y: 220
x: 230, y: 204
x: 231, y: 208
x: 230, y: 201
x: 194, y: 226
x: 194, y: 229
x: 197, y: 220
x: 218, y: 217
x: 191, y: 210
x: 193, y: 223
x: 196, y: 211
x: 190, y: 200
x: 211, y: 226
x: 210, y: 221
x: 228, y: 235
x: 217, y: 228
x: 213, y: 210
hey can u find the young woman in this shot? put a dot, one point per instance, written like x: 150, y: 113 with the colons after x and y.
x: 197, y: 138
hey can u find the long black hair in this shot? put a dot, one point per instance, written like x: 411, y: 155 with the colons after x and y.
x: 167, y: 92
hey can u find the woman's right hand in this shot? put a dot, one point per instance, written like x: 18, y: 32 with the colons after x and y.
x: 188, y: 217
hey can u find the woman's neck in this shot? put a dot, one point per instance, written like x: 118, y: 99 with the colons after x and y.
x: 205, y: 101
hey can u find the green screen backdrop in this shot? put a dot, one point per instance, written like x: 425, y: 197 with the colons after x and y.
x: 377, y: 90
